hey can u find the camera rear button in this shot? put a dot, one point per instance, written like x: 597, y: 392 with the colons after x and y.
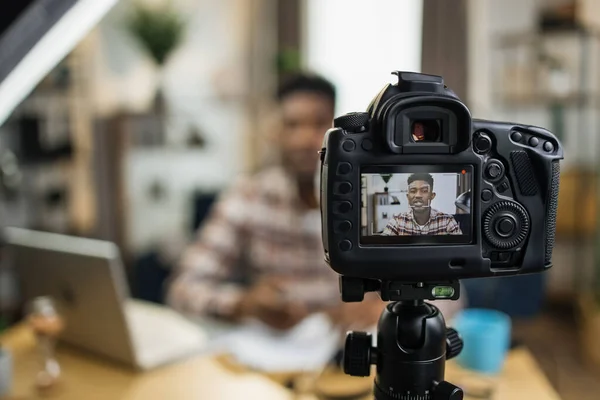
x: 505, y: 227
x: 344, y: 168
x: 344, y: 226
x: 482, y: 143
x: 486, y: 195
x: 494, y: 171
x: 516, y: 136
x: 503, y: 257
x: 343, y: 207
x: 548, y: 147
x: 345, y: 245
x: 533, y: 141
x: 343, y: 188
x: 348, y: 145
x: 503, y: 187
x: 367, y: 145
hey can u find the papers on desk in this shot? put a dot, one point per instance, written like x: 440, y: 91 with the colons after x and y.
x: 308, y: 346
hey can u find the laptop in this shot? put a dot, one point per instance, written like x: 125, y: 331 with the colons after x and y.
x: 86, y: 279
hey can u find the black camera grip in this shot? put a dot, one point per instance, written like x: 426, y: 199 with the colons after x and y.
x: 552, y: 210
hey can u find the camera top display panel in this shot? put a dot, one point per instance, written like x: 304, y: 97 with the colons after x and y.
x: 408, y: 205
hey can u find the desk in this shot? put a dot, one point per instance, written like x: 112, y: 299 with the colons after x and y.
x: 89, y: 378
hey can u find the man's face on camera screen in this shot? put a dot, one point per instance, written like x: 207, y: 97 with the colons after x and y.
x: 420, y: 195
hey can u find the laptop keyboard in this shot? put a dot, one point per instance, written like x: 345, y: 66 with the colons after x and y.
x: 160, y: 335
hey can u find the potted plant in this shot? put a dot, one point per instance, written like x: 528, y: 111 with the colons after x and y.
x: 386, y: 178
x: 159, y: 31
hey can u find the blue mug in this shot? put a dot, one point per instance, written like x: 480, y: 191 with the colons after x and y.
x: 486, y: 336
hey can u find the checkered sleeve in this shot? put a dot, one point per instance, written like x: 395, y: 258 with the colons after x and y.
x: 396, y: 226
x: 202, y: 284
x: 391, y: 229
x: 452, y: 227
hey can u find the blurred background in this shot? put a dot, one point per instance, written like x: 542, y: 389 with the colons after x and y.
x: 127, y: 131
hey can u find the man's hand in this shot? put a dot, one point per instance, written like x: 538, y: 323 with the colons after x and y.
x: 266, y: 302
x: 361, y: 316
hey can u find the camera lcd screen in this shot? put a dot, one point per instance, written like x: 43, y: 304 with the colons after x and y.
x: 407, y: 205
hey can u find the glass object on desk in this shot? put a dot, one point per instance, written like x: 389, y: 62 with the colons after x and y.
x: 47, y: 324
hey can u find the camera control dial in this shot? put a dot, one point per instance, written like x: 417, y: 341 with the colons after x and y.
x: 505, y: 225
x: 352, y: 122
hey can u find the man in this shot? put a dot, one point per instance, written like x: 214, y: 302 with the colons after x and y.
x: 422, y: 219
x: 260, y: 255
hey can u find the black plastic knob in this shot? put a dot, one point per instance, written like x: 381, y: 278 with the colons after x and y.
x: 506, y: 226
x: 357, y: 354
x: 494, y: 171
x: 482, y: 143
x: 454, y: 343
x: 352, y: 289
x: 447, y: 391
x: 352, y: 122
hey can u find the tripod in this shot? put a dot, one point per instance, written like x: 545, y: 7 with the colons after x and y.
x: 413, y: 345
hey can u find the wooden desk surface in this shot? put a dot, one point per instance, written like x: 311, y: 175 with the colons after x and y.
x: 90, y: 378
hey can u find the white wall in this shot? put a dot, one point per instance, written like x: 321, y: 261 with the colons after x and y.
x: 490, y: 19
x: 358, y: 43
x: 204, y: 83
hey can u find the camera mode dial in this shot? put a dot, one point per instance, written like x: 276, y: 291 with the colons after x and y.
x: 352, y: 122
x: 505, y: 225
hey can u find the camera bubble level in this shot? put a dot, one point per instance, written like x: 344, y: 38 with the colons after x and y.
x: 442, y: 292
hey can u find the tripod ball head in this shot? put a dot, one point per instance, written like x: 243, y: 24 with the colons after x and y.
x: 413, y: 345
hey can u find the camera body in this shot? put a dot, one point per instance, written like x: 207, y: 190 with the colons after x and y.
x: 415, y: 190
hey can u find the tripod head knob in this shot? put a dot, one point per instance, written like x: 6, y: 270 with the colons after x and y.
x: 357, y: 354
x: 454, y: 343
x: 447, y: 391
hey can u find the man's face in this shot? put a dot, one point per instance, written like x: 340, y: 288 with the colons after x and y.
x: 305, y: 119
x: 420, y: 195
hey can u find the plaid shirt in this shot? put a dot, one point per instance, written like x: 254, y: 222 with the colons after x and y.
x: 257, y: 228
x: 438, y: 224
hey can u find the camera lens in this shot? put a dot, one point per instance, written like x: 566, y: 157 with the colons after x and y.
x: 426, y: 130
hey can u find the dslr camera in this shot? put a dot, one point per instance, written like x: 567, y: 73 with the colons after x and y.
x: 415, y: 194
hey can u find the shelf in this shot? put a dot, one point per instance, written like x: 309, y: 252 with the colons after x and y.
x: 575, y: 99
x: 528, y: 37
